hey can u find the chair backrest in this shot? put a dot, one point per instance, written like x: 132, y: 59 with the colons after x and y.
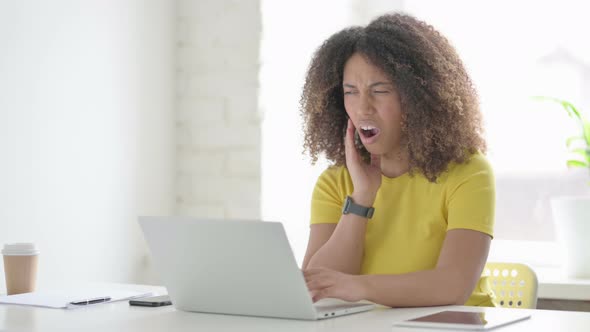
x: 514, y: 284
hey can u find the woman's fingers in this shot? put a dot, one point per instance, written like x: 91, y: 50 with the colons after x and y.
x: 365, y: 178
x: 312, y: 293
x: 313, y: 271
x: 317, y: 279
x: 318, y: 284
x: 317, y: 274
x: 322, y: 294
x: 351, y: 153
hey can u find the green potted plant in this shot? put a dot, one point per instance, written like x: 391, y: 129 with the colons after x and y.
x: 571, y: 214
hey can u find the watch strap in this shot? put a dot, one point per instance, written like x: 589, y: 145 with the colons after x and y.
x: 359, y: 210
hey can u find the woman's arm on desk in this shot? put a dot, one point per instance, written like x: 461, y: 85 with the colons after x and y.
x: 452, y: 281
x: 337, y: 247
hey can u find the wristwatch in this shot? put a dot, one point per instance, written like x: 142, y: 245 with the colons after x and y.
x: 359, y: 210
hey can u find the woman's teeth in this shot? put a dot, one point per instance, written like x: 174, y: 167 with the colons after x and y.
x: 369, y: 131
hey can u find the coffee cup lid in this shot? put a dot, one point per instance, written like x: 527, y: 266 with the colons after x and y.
x: 20, y: 249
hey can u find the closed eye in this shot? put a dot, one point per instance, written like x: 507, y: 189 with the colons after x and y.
x: 381, y: 91
x: 349, y: 92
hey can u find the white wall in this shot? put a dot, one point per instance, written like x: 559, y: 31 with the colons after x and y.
x: 218, y: 123
x: 86, y: 132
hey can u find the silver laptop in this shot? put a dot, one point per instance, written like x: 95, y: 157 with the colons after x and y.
x: 234, y: 267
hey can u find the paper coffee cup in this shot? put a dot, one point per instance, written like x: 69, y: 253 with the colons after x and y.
x: 20, y: 267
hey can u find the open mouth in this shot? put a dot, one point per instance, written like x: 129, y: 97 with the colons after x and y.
x: 369, y: 131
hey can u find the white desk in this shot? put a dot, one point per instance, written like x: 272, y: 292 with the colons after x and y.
x: 555, y: 284
x: 122, y: 317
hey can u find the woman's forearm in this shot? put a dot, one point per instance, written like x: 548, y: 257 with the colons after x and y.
x: 344, y: 250
x: 441, y: 286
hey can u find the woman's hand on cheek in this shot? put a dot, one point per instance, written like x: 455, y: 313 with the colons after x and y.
x: 326, y: 283
x: 366, y: 179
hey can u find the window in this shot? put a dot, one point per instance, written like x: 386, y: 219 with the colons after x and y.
x: 287, y: 47
x: 512, y: 50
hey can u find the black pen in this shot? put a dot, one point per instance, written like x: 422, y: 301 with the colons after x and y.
x: 92, y: 301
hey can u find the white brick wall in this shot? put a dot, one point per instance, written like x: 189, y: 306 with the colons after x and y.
x: 218, y: 122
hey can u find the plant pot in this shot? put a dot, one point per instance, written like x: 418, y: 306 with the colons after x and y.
x: 571, y: 215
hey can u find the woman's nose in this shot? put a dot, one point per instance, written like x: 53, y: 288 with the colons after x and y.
x: 365, y: 105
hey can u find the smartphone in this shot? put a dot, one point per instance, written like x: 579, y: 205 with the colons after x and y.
x: 154, y: 301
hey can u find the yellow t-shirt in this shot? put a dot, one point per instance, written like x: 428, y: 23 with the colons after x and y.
x: 412, y: 215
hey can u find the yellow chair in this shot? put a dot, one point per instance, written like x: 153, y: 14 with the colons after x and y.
x: 514, y: 284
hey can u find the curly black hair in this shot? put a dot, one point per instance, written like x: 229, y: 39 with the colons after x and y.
x: 441, y: 120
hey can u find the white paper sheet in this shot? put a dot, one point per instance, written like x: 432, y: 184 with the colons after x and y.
x: 63, y: 297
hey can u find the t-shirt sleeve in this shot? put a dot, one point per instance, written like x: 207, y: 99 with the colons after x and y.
x: 326, y: 200
x: 472, y: 198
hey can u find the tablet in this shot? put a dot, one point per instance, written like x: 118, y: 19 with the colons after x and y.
x: 467, y: 320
